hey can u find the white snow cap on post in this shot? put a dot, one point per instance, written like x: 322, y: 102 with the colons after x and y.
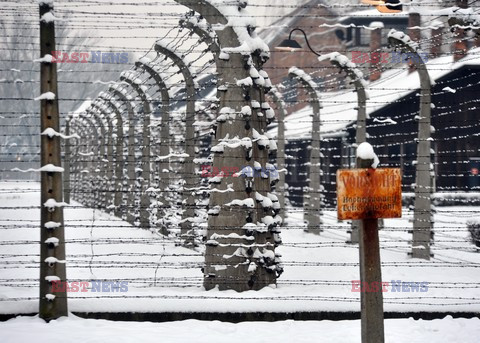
x: 365, y: 152
x: 405, y: 39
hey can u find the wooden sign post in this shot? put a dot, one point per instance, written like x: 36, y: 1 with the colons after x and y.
x: 369, y: 194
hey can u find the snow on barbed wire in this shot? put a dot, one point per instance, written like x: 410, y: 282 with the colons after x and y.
x: 246, y: 172
x: 158, y: 158
x: 344, y: 62
x: 243, y: 24
x: 449, y: 89
x: 50, y: 132
x: 299, y: 73
x: 50, y: 168
x: 45, y: 96
x: 120, y: 87
x: 235, y: 142
x: 46, y: 58
x: 52, y: 203
x: 131, y: 75
x: 404, y: 38
x: 201, y: 23
x: 187, y: 60
x: 52, y: 259
x: 248, y: 202
x: 52, y: 240
x: 51, y: 278
x: 52, y: 225
x: 386, y: 120
x: 246, y: 82
x: 262, y: 140
x: 49, y: 17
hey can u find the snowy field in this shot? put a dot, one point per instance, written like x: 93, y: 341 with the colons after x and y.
x: 445, y: 330
x: 163, y: 276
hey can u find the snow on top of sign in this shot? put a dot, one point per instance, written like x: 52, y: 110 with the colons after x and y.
x: 365, y: 152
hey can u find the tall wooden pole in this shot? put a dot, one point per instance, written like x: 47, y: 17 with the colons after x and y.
x: 52, y: 239
x: 372, y: 326
x: 66, y: 159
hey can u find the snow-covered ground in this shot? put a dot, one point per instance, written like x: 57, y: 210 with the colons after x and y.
x: 163, y: 276
x: 75, y: 329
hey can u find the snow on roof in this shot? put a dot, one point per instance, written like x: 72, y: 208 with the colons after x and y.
x: 373, y: 13
x: 339, y: 108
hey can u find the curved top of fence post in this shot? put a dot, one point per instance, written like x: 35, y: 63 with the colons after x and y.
x: 86, y: 122
x: 277, y: 98
x: 127, y: 77
x: 180, y: 63
x: 145, y: 64
x: 401, y: 41
x: 89, y: 113
x: 197, y: 28
x: 308, y: 83
x: 227, y: 37
x: 101, y: 110
x: 119, y: 92
x: 109, y: 102
x: 344, y: 64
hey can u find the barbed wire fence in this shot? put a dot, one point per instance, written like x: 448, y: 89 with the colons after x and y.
x: 155, y: 147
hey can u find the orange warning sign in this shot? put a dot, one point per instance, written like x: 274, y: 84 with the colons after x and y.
x: 369, y: 193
